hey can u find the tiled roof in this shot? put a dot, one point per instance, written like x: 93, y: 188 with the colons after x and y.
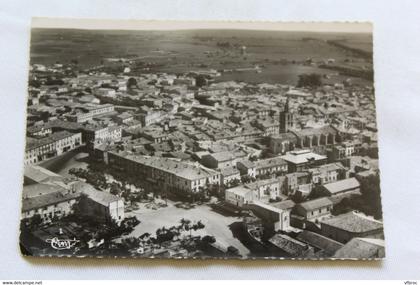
x: 359, y: 248
x: 316, y: 204
x: 353, y: 222
x: 39, y: 174
x: 284, y: 205
x: 182, y: 169
x: 328, y: 245
x: 270, y: 162
x: 40, y: 201
x: 342, y: 185
x: 35, y: 143
x: 101, y: 197
x: 298, y: 157
x: 228, y: 171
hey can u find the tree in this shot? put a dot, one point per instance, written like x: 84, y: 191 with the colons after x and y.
x: 115, y: 188
x: 130, y: 242
x: 128, y: 224
x: 371, y: 194
x: 309, y: 80
x: 33, y: 222
x: 253, y: 158
x: 198, y: 226
x: 208, y: 239
x: 131, y: 82
x: 247, y: 179
x: 369, y: 202
x: 163, y: 234
x: 297, y: 198
x: 200, y: 80
x: 234, y: 182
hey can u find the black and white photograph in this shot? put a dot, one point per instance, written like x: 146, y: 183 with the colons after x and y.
x: 201, y: 140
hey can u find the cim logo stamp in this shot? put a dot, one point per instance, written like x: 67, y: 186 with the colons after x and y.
x: 61, y: 244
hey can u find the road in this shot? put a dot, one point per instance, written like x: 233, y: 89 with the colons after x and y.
x: 63, y: 163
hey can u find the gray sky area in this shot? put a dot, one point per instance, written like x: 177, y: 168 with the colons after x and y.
x: 344, y: 27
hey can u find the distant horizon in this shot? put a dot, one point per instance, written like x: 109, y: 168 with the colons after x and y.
x: 171, y: 25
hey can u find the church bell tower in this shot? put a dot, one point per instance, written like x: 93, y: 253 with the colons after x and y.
x: 287, y: 119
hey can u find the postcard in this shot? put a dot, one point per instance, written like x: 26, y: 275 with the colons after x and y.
x: 227, y: 140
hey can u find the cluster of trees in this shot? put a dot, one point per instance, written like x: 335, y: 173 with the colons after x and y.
x: 233, y: 183
x: 97, y: 179
x: 201, y: 80
x: 264, y: 176
x: 106, y: 231
x: 31, y: 223
x: 369, y: 202
x: 164, y: 234
x: 247, y: 179
x: 309, y: 80
x: 167, y: 234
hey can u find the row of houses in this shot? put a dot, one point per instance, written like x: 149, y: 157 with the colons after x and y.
x: 165, y: 174
x: 39, y: 149
x: 89, y: 111
x: 51, y: 196
x: 274, y: 188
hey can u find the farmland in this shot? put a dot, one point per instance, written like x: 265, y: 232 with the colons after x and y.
x: 282, y: 56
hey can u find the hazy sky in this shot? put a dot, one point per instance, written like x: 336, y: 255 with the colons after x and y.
x: 357, y: 27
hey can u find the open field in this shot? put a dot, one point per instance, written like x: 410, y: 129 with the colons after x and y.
x: 278, y: 53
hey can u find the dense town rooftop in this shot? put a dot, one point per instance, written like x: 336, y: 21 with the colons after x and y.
x: 182, y: 169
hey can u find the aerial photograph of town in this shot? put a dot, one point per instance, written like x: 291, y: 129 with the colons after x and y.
x: 202, y: 143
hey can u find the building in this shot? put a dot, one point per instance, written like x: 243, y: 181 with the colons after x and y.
x: 246, y: 167
x: 124, y: 118
x: 324, y: 247
x: 345, y: 227
x: 165, y: 174
x: 99, y: 205
x: 275, y: 165
x: 267, y: 189
x: 96, y: 135
x: 300, y: 160
x: 150, y: 116
x: 56, y: 197
x: 291, y: 246
x: 38, y: 131
x: 314, y: 210
x: 284, y: 220
x: 229, y: 174
x: 89, y: 111
x: 219, y: 160
x: 51, y: 205
x: 298, y: 183
x: 327, y: 173
x: 106, y: 92
x: 36, y: 174
x: 269, y: 127
x: 346, y: 186
x: 92, y: 134
x: 50, y: 146
x: 362, y: 248
x: 274, y: 218
x: 240, y: 196
x: 287, y: 119
x: 316, y: 137
x: 282, y: 143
